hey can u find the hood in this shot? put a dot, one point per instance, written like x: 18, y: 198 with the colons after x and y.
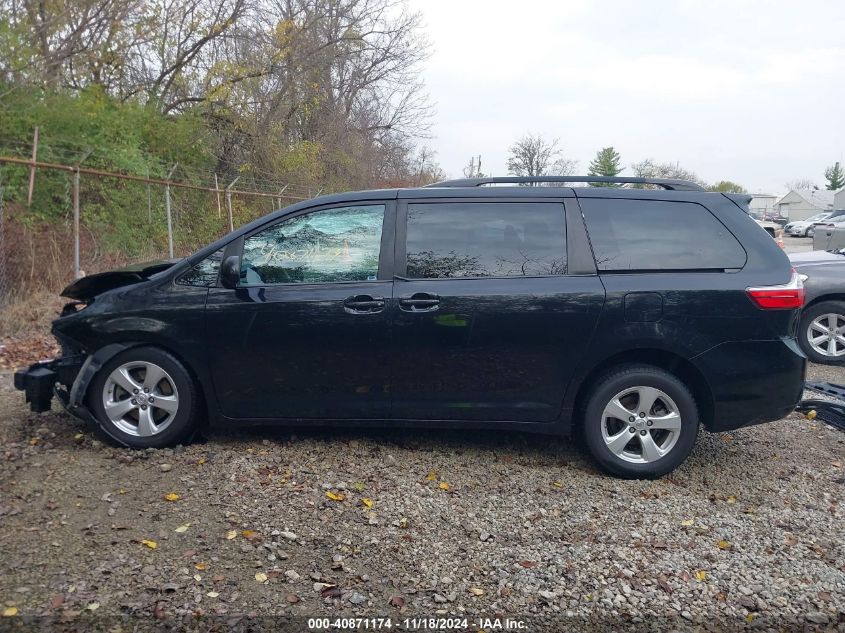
x: 811, y: 258
x: 93, y: 285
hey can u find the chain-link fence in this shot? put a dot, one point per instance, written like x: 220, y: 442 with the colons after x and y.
x: 61, y: 221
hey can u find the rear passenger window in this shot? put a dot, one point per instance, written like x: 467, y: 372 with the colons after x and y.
x: 482, y: 239
x: 658, y: 235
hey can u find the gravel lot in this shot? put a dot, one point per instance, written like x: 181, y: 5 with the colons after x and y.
x: 746, y: 533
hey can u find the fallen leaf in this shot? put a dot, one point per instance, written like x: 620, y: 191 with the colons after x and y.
x: 749, y: 617
x: 331, y: 591
x: 231, y: 534
x: 197, y: 577
x: 212, y: 594
x: 836, y: 463
x: 201, y: 566
x: 358, y: 486
x: 811, y: 415
x: 476, y: 591
x: 403, y: 523
x: 443, y: 485
x: 171, y: 496
x: 150, y: 544
x: 687, y: 522
x: 202, y: 460
x: 34, y: 441
x: 432, y: 476
x: 527, y: 564
x: 701, y: 575
x: 664, y: 584
x: 57, y: 600
x: 8, y: 612
x: 79, y: 436
x: 182, y: 528
x: 93, y: 606
x: 335, y: 496
x: 731, y: 499
x: 557, y: 484
x: 367, y: 502
x: 791, y: 540
x: 292, y: 598
x: 251, y: 535
x: 723, y: 544
x: 397, y: 601
x: 261, y: 577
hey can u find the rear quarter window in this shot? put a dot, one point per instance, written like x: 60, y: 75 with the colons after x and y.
x: 644, y: 235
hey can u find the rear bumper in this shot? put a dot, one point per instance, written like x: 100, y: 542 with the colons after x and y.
x: 753, y: 381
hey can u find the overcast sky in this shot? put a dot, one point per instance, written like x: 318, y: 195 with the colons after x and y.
x: 732, y: 89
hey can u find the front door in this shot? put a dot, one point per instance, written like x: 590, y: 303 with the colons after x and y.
x: 489, y: 325
x: 306, y: 333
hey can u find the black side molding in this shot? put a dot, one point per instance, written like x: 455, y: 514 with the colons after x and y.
x: 828, y: 411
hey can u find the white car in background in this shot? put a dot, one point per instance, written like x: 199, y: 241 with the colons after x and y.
x: 774, y: 229
x: 805, y: 228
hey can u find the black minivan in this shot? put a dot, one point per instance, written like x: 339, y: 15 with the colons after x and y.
x: 630, y: 313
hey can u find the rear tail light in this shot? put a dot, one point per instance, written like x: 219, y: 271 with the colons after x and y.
x: 785, y: 297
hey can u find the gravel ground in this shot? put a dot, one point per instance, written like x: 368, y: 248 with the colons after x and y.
x: 394, y: 523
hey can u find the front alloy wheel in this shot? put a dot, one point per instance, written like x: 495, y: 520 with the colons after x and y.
x: 145, y: 398
x: 140, y: 398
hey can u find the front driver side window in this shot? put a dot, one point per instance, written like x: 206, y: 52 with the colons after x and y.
x: 325, y: 246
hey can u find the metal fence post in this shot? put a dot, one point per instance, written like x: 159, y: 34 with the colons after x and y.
x: 169, y: 219
x: 32, y: 169
x: 229, y: 203
x: 217, y: 193
x: 76, y: 271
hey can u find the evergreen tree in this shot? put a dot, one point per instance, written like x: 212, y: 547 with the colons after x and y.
x: 606, y: 163
x: 835, y: 177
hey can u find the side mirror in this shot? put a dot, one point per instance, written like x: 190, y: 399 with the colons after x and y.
x: 230, y: 272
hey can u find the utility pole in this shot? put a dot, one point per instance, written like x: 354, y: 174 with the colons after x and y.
x: 229, y: 203
x: 32, y: 169
x: 167, y: 205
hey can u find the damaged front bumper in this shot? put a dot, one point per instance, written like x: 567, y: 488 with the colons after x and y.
x: 41, y: 380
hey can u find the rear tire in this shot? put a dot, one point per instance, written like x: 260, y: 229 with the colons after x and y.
x: 640, y: 422
x: 144, y: 398
x: 813, y: 332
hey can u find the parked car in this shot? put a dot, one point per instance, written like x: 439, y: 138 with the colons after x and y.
x: 773, y: 229
x: 805, y: 228
x: 630, y: 315
x: 830, y: 234
x: 821, y: 331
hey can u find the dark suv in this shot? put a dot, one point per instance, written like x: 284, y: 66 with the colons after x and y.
x: 629, y: 314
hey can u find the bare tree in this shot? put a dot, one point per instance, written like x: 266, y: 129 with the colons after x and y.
x: 649, y: 168
x: 534, y: 156
x: 800, y: 183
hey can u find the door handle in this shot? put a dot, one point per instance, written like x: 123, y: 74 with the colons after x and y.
x: 363, y: 304
x: 419, y: 302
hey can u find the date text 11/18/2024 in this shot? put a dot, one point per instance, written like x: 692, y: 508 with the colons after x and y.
x: 417, y: 624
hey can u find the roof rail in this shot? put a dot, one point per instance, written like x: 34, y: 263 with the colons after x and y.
x: 670, y: 184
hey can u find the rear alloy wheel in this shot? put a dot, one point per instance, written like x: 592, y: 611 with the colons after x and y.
x: 144, y: 398
x: 821, y: 332
x: 640, y: 422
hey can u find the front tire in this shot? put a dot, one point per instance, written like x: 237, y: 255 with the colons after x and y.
x: 640, y: 422
x: 144, y: 398
x: 821, y: 332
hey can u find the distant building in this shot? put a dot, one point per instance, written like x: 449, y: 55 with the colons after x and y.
x: 762, y: 203
x: 839, y: 199
x: 800, y: 204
